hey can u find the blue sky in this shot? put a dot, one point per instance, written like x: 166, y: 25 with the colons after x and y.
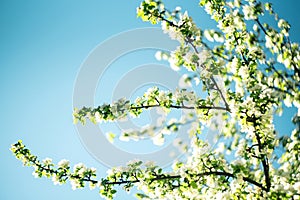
x: 43, y: 45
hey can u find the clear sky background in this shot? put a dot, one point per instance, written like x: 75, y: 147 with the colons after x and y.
x: 43, y: 44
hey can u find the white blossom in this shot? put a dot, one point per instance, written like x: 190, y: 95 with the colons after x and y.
x: 63, y: 163
x: 47, y: 161
x: 248, y: 11
x: 158, y: 139
x: 184, y: 82
x: 158, y: 55
x: 75, y: 184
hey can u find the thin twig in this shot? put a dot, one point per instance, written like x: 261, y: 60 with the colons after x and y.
x: 182, y: 107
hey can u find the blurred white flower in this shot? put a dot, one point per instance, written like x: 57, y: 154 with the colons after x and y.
x: 158, y: 139
x: 158, y: 55
x: 184, y: 81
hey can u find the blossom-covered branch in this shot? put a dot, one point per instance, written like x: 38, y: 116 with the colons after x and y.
x: 133, y: 175
x: 185, y: 30
x: 153, y: 98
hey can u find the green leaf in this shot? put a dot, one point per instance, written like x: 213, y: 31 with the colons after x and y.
x: 114, y: 191
x: 194, y: 185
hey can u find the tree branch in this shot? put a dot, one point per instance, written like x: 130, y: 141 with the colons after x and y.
x: 212, y: 77
x: 217, y: 173
x: 264, y: 159
x: 182, y: 107
x: 190, y: 41
x: 296, y: 69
